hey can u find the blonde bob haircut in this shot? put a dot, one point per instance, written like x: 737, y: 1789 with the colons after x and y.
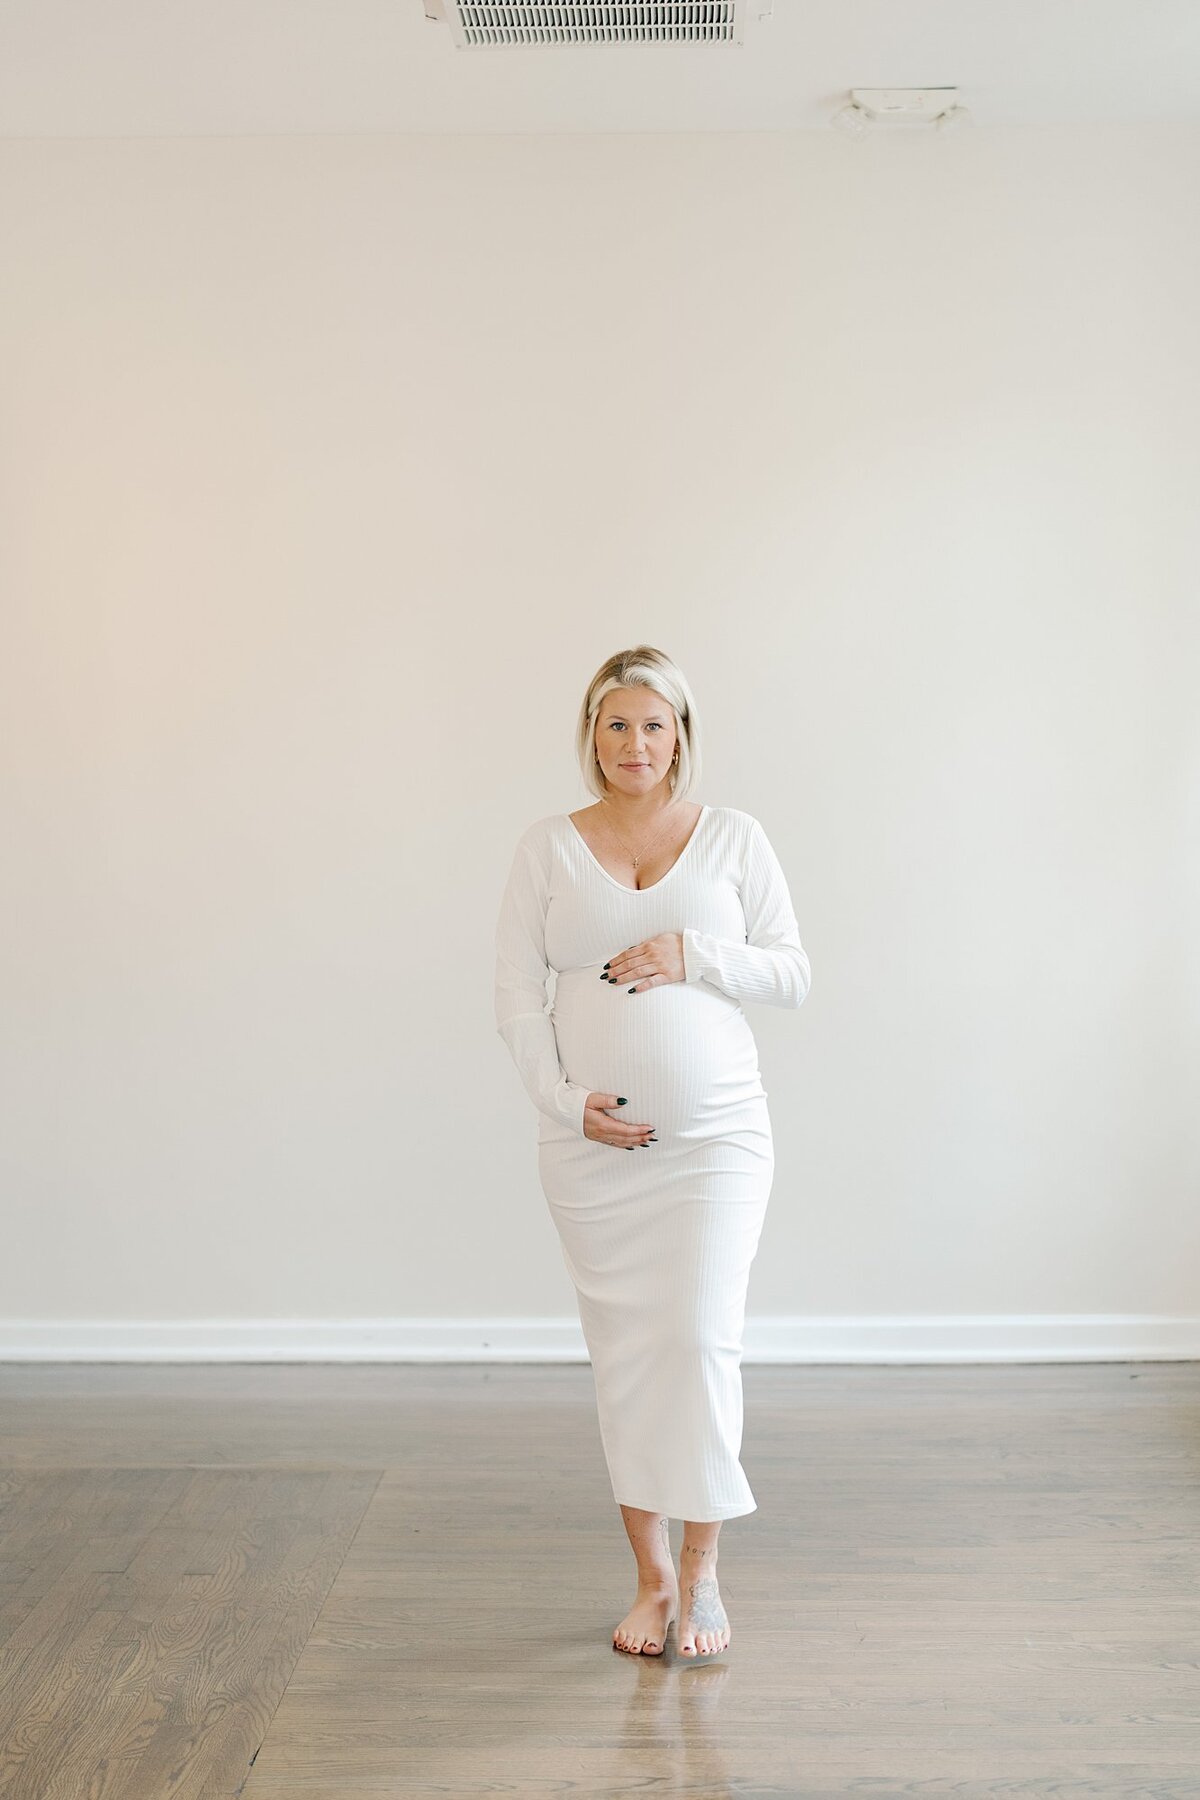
x: 643, y: 666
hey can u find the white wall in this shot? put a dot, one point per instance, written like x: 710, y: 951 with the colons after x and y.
x: 331, y: 470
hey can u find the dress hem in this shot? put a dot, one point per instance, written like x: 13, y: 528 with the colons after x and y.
x: 738, y: 1512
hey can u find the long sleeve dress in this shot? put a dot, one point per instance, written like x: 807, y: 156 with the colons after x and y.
x: 658, y: 1241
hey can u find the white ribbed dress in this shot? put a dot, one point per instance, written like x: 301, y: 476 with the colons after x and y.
x: 657, y: 1240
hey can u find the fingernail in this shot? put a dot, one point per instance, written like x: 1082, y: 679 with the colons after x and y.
x: 621, y: 1101
x: 631, y: 990
x: 608, y: 964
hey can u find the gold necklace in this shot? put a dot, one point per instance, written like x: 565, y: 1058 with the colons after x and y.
x: 625, y: 846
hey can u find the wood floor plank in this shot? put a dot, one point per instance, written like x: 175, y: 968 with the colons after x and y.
x: 142, y: 1665
x: 186, y: 1760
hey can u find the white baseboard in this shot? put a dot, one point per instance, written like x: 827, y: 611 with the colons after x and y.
x: 932, y: 1338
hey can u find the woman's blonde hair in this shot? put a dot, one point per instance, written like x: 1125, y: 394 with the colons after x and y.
x: 643, y: 666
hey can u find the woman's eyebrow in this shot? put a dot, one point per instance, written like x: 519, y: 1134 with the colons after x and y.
x: 654, y: 719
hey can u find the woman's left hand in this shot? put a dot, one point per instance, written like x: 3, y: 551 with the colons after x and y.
x: 649, y: 964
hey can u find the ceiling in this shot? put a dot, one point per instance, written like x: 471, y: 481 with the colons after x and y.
x: 220, y: 67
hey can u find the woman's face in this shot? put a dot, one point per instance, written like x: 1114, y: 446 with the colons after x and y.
x: 635, y: 739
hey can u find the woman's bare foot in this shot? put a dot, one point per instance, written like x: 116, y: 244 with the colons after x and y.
x: 643, y: 1630
x: 703, y: 1623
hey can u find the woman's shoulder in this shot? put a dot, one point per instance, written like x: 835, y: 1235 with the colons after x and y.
x: 734, y: 819
x: 743, y: 833
x: 541, y: 833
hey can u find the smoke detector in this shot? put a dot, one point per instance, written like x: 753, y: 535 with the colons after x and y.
x: 478, y: 27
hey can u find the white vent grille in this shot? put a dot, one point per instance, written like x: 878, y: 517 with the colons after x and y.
x: 477, y: 27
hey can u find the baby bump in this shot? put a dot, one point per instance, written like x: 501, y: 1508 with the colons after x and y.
x: 681, y: 1053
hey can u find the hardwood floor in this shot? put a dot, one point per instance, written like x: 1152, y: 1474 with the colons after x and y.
x: 323, y: 1582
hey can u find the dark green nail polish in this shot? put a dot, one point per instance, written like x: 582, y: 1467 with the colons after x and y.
x: 608, y: 964
x: 630, y: 990
x: 621, y: 1101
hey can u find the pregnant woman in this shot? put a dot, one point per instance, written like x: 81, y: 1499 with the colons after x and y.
x: 659, y: 916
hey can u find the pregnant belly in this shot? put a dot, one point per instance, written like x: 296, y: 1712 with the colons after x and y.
x: 683, y: 1054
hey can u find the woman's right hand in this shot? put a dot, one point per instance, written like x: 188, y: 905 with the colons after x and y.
x: 597, y: 1124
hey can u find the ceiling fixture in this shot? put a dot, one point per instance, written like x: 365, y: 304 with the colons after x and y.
x: 866, y: 107
x: 479, y: 27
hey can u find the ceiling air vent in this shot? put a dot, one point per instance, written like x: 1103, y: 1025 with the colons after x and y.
x: 667, y: 22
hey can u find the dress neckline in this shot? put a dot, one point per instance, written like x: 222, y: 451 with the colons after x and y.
x: 654, y: 885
